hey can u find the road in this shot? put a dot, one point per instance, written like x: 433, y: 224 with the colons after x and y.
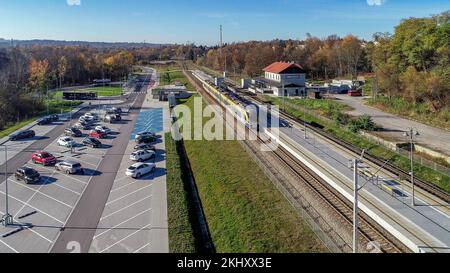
x: 394, y: 126
x: 83, y: 221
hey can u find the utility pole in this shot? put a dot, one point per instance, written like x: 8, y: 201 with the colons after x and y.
x: 7, y: 219
x: 355, y: 205
x: 412, y: 132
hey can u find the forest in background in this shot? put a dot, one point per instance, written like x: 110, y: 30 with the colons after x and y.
x: 412, y: 64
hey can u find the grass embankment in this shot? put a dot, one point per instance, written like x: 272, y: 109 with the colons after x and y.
x: 54, y: 106
x: 345, y: 134
x: 179, y: 200
x: 244, y: 210
x: 419, y: 111
x: 170, y: 74
x: 102, y: 91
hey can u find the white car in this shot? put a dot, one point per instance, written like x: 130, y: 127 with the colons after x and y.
x: 66, y: 142
x: 87, y: 118
x: 142, y: 155
x: 145, y: 134
x: 140, y: 169
x: 103, y: 129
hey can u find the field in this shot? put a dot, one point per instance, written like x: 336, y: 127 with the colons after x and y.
x: 244, y: 210
x: 171, y: 74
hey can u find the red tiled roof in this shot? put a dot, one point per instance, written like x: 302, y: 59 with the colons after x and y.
x: 278, y: 67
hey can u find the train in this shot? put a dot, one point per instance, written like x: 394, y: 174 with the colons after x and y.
x: 249, y: 117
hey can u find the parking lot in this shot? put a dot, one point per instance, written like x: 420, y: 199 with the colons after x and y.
x: 135, y: 216
x: 41, y: 210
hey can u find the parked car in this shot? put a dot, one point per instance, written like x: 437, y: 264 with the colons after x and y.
x: 44, y: 121
x: 86, y: 121
x: 145, y: 134
x: 22, y: 135
x: 44, y: 158
x: 355, y: 93
x: 140, y: 169
x: 92, y: 142
x: 88, y: 118
x: 97, y: 134
x: 53, y: 117
x: 28, y: 175
x: 144, y: 146
x: 145, y: 140
x: 69, y: 167
x: 73, y: 132
x: 103, y: 129
x: 109, y: 118
x: 117, y: 110
x: 142, y: 155
x: 82, y: 126
x: 66, y: 142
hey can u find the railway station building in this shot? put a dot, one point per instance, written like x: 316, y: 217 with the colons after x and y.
x: 283, y: 79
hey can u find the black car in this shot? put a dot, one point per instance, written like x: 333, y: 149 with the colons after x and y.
x: 144, y: 146
x: 145, y: 139
x: 22, y: 135
x: 27, y: 175
x: 44, y: 121
x: 117, y: 110
x: 92, y: 142
x: 73, y: 132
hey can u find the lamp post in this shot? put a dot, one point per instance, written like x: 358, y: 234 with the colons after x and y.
x: 411, y: 133
x: 7, y: 219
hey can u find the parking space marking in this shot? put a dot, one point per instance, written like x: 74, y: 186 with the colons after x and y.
x: 30, y: 229
x: 122, y: 209
x: 8, y: 246
x: 46, y: 195
x: 120, y: 198
x: 41, y: 211
x: 34, y: 194
x: 126, y: 185
x: 73, y: 178
x: 123, y: 239
x: 123, y: 222
x: 141, y: 248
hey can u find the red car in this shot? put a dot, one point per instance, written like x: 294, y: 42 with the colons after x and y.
x: 44, y: 158
x: 355, y: 93
x: 97, y: 134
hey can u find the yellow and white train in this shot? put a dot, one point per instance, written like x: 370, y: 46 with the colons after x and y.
x: 242, y: 114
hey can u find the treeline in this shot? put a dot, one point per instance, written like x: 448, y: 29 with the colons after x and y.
x: 322, y: 58
x: 414, y: 62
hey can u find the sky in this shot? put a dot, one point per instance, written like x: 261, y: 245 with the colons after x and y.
x: 197, y: 21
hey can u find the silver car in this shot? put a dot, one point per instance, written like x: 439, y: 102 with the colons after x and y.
x: 69, y: 167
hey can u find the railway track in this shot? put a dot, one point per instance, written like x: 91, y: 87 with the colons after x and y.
x: 341, y: 207
x: 329, y: 198
x: 426, y: 186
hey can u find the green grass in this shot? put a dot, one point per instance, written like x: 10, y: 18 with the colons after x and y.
x: 181, y: 230
x: 343, y: 133
x: 244, y: 210
x: 55, y: 107
x: 176, y: 75
x: 102, y: 91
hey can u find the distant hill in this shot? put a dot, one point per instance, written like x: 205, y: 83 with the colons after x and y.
x: 8, y: 43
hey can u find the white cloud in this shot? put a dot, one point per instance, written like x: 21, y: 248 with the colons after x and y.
x: 73, y: 2
x: 375, y: 2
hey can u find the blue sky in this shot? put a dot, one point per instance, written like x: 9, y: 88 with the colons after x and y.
x: 181, y: 21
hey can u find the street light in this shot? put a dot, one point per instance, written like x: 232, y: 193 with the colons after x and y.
x: 7, y: 219
x: 411, y: 133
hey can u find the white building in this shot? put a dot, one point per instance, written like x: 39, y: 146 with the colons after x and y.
x: 281, y: 75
